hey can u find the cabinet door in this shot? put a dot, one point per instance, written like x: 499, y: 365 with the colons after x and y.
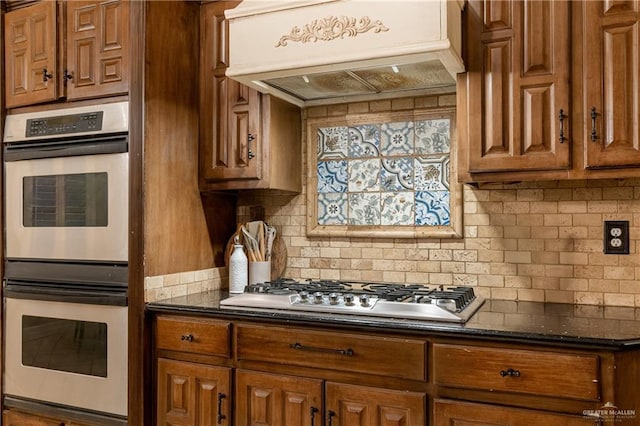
x: 517, y: 86
x: 447, y: 413
x: 192, y: 394
x: 276, y: 400
x: 611, y: 45
x: 97, y: 48
x: 350, y: 405
x: 230, y: 112
x: 30, y: 54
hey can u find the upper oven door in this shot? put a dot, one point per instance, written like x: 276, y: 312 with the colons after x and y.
x: 68, y: 208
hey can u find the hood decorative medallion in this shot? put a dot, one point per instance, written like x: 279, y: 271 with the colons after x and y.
x: 331, y: 28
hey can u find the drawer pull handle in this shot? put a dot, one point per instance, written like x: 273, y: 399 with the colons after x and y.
x: 221, y: 416
x: 594, y: 133
x: 314, y: 410
x: 301, y: 347
x: 510, y: 372
x: 187, y: 337
x: 561, y: 117
x: 330, y: 415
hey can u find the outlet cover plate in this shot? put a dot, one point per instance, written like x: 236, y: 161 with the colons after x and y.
x: 616, y: 237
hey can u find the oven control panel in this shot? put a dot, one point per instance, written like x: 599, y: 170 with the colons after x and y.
x: 64, y: 124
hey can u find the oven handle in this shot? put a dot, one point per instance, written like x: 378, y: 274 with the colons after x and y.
x: 69, y: 294
x: 67, y: 147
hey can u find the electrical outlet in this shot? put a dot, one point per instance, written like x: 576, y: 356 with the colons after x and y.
x: 616, y: 237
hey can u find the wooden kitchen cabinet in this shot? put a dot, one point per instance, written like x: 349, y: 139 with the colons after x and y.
x: 18, y: 418
x: 247, y: 140
x: 611, y: 45
x: 275, y: 399
x: 528, y: 60
x: 448, y: 412
x: 352, y: 405
x: 517, y: 104
x: 72, y: 50
x: 193, y: 394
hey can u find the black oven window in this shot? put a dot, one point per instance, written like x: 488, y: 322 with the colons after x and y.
x: 65, y: 345
x: 79, y: 200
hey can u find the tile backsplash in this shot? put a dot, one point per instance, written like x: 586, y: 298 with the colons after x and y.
x: 536, y: 241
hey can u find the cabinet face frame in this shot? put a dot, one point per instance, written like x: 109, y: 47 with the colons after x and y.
x: 314, y: 229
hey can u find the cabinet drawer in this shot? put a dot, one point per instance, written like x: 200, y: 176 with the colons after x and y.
x: 385, y: 356
x: 206, y: 337
x: 514, y: 370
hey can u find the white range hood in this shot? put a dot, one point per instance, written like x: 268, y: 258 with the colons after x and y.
x: 329, y: 51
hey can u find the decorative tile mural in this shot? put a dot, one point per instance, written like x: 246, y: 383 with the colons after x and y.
x: 389, y: 174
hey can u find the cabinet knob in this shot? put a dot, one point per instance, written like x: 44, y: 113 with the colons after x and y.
x: 313, y: 411
x: 330, y: 415
x: 46, y: 75
x: 561, y: 117
x: 66, y: 76
x: 187, y: 337
x: 250, y: 138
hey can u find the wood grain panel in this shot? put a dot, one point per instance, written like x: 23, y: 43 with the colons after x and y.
x: 611, y: 7
x: 30, y: 47
x: 271, y: 399
x: 358, y: 405
x: 497, y: 15
x: 335, y: 351
x: 207, y: 337
x: 497, y: 110
x: 537, y: 119
x: 484, y: 368
x: 538, y: 44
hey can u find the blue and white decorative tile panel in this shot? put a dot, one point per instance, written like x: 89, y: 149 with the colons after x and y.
x: 364, y: 175
x: 433, y: 136
x: 432, y: 208
x: 364, y: 209
x: 390, y: 174
x: 332, y: 176
x: 332, y: 142
x: 397, y: 208
x: 332, y: 209
x: 364, y: 141
x: 397, y: 138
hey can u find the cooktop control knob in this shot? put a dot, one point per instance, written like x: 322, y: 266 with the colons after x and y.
x: 364, y: 300
x: 333, y: 298
x: 304, y: 296
x: 317, y: 297
x: 348, y: 299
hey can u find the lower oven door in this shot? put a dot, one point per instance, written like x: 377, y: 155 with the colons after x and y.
x: 73, y: 354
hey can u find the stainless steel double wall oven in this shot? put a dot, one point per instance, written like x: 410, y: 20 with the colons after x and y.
x: 65, y: 284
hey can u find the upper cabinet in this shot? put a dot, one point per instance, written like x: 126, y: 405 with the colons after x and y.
x: 247, y: 140
x: 73, y: 49
x: 611, y: 45
x: 551, y: 91
x: 517, y: 86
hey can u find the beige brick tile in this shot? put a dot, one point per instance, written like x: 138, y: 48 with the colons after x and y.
x: 503, y: 244
x: 517, y: 232
x: 619, y: 272
x: 558, y: 270
x: 530, y: 220
x: 453, y: 267
x: 545, y: 283
x: 572, y: 207
x: 402, y: 104
x: 588, y: 298
x: 531, y: 269
x: 417, y: 277
x: 477, y: 268
x: 380, y: 106
x: 351, y: 274
x: 503, y: 269
x: 532, y: 245
x: 604, y: 285
x: 393, y: 276
x: 503, y: 219
x: 615, y: 299
x: 545, y: 232
x: 489, y: 232
x: 362, y: 264
x: 440, y: 255
x: 535, y: 194
x: 517, y: 257
x: 357, y: 108
x: 417, y: 254
x: 554, y: 296
x: 517, y: 282
x: 587, y: 219
x: 426, y: 102
x: 530, y: 295
x: 465, y: 279
x: 574, y: 258
x: 587, y: 193
x: 404, y: 265
x: 429, y: 267
x: 574, y: 284
x: 441, y: 278
x: 477, y: 219
x: 393, y: 253
x: 372, y: 253
x: 588, y: 271
x: 491, y: 281
x: 557, y: 219
x: 544, y: 207
x: 329, y: 274
x: 601, y: 207
x: 573, y: 232
x: 558, y: 194
x: 544, y: 257
x: 465, y: 255
x: 490, y: 256
x: 504, y: 293
x: 316, y: 112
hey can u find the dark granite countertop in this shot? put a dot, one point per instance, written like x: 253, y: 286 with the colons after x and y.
x: 616, y: 328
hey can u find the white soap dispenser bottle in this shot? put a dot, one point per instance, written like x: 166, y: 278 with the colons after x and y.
x: 238, y: 268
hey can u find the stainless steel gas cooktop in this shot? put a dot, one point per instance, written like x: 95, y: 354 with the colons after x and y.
x: 402, y: 301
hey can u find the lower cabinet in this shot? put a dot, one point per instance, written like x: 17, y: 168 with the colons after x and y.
x: 18, y: 418
x: 277, y: 400
x: 449, y: 412
x: 192, y: 394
